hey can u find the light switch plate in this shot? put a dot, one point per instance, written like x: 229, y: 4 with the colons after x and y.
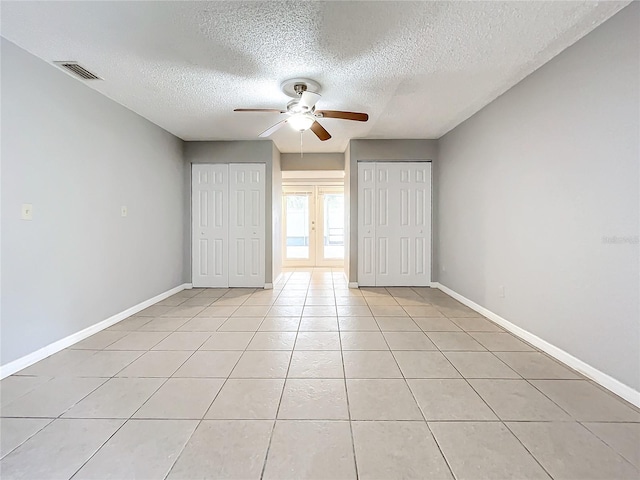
x: 123, y: 211
x: 27, y: 211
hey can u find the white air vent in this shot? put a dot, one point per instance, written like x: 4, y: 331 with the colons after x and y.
x: 77, y: 70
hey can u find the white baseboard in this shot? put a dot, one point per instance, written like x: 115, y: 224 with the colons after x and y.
x: 276, y: 281
x: 23, y: 362
x: 187, y: 286
x: 608, y: 382
x: 353, y: 285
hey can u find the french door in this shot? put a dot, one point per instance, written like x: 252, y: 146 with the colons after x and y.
x: 228, y: 225
x: 313, y: 224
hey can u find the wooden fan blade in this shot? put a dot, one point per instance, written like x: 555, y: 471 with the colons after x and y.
x: 272, y: 110
x: 320, y: 132
x: 358, y: 117
x: 272, y: 129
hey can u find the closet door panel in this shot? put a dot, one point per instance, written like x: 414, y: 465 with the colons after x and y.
x: 210, y: 223
x: 388, y: 223
x: 367, y: 260
x: 247, y: 227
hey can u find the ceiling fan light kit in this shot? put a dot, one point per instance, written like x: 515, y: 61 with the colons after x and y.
x: 301, y: 121
x: 302, y: 109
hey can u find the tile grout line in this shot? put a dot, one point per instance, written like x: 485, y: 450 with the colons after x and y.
x: 330, y: 419
x: 496, y: 415
x: 202, y: 419
x: 346, y: 392
x: 51, y: 420
x: 284, y: 385
x: 427, y: 422
x: 420, y: 410
x: 528, y: 381
x: 144, y: 403
x: 501, y: 421
x: 131, y: 416
x: 126, y: 420
x: 526, y: 449
x: 521, y: 377
x: 582, y: 424
x: 97, y: 450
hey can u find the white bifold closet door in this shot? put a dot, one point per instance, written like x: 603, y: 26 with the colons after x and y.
x: 228, y: 225
x: 394, y: 223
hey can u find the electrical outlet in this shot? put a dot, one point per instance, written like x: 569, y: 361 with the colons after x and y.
x: 27, y: 211
x: 501, y: 291
x: 123, y: 211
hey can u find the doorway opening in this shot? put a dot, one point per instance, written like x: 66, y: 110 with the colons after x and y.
x: 313, y: 225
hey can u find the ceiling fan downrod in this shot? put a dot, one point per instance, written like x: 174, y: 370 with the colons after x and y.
x: 299, y: 88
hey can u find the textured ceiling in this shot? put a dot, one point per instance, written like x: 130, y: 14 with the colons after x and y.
x: 418, y: 68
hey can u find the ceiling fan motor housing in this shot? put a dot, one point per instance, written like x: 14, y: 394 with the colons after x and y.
x: 294, y: 107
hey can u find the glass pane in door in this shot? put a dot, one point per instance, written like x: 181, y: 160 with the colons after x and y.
x: 333, y: 241
x: 297, y: 224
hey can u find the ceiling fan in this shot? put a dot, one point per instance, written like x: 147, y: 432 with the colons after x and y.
x: 301, y: 111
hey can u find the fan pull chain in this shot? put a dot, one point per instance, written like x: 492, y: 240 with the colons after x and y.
x: 301, y: 154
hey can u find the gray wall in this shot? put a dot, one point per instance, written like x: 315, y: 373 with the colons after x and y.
x: 533, y: 187
x: 78, y: 157
x: 244, y: 151
x: 312, y: 161
x: 384, y: 151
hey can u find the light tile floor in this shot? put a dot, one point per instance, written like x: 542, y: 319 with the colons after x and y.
x: 311, y: 380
